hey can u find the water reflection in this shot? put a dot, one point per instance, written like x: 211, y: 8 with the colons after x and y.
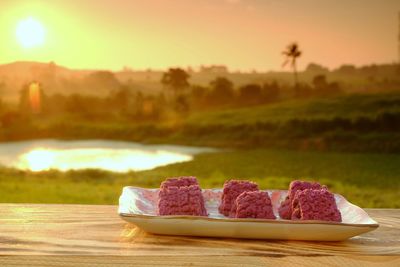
x: 107, y: 155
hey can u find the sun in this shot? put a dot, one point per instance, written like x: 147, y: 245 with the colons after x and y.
x: 30, y: 33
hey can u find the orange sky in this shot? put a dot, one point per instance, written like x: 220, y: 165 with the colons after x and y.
x: 245, y: 35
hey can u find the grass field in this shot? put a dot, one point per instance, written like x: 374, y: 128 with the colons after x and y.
x: 353, y: 123
x: 311, y: 128
x: 368, y: 180
x: 346, y: 106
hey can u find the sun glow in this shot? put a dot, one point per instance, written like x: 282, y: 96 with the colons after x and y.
x: 118, y: 160
x: 30, y: 33
x: 39, y: 160
x: 34, y: 97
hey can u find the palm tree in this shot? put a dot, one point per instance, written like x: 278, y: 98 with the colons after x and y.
x: 291, y: 53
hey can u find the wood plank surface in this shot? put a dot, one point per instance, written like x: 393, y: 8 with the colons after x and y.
x: 91, y: 235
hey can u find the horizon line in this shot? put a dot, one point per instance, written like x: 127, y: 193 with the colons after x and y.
x: 197, y: 68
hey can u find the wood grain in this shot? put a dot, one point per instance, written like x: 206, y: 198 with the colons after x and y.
x: 94, y: 235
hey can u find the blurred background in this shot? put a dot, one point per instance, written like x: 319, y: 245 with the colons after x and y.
x: 97, y: 95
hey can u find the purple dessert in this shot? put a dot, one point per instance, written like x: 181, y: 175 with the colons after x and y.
x: 254, y: 204
x: 285, y: 210
x: 232, y: 189
x: 181, y: 196
x: 180, y: 181
x: 315, y: 204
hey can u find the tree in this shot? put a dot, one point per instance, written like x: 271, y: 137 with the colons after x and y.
x: 316, y: 68
x: 323, y: 88
x: 121, y: 98
x: 2, y: 86
x: 138, y: 101
x: 221, y: 90
x: 176, y: 79
x: 271, y: 91
x: 319, y: 82
x: 102, y: 82
x: 77, y: 104
x: 303, y: 90
x: 291, y: 53
x: 198, y: 95
x: 250, y: 94
x: 198, y: 92
x: 347, y: 69
x: 181, y: 105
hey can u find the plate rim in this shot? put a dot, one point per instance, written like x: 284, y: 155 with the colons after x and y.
x: 247, y: 220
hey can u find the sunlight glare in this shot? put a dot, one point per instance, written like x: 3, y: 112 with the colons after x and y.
x: 30, y: 33
x: 34, y: 97
x: 38, y: 160
x: 118, y: 160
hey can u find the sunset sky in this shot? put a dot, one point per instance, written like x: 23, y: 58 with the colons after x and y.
x: 244, y: 35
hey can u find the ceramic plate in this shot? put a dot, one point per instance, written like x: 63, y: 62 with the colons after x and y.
x: 139, y: 206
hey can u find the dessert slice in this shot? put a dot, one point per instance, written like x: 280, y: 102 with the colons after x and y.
x: 254, y: 204
x: 232, y: 189
x: 181, y: 196
x: 285, y: 210
x: 315, y: 204
x: 180, y: 181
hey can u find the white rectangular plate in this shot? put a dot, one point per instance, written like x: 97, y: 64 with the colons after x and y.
x: 139, y: 206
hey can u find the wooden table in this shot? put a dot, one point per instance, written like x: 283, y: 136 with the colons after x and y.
x: 64, y: 235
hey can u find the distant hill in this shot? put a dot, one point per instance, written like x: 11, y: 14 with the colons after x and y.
x: 30, y: 70
x: 54, y: 78
x: 18, y: 67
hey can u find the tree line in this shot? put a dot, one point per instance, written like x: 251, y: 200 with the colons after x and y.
x: 178, y: 97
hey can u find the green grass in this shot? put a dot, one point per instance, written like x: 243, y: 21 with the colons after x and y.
x: 368, y: 180
x: 357, y: 123
x: 345, y: 106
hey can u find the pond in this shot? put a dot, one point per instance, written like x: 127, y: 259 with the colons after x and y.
x: 40, y: 155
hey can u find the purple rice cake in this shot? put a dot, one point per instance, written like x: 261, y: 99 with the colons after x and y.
x: 285, y: 209
x: 232, y: 189
x: 315, y: 204
x: 181, y: 196
x: 254, y: 204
